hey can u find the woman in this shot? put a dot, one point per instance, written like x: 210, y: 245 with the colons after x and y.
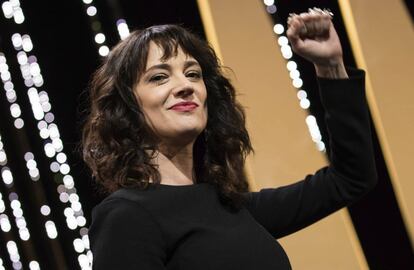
x: 167, y: 138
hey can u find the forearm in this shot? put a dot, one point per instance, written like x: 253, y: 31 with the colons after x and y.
x: 334, y: 71
x: 348, y: 123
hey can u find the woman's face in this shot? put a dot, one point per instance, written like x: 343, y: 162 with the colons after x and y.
x: 172, y: 95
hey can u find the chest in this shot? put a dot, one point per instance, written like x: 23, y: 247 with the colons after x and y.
x: 219, y: 239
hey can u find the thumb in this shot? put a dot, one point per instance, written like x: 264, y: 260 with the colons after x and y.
x: 295, y: 25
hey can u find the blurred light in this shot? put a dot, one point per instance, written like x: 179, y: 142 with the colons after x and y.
x: 103, y: 50
x: 123, y: 29
x: 18, y: 16
x: 5, y: 75
x: 76, y: 206
x: 81, y: 221
x: 15, y: 110
x: 291, y: 65
x: 57, y: 144
x: 297, y: 82
x: 24, y: 234
x: 51, y: 229
x: 18, y: 123
x: 3, y: 158
x: 11, y: 95
x: 44, y: 133
x: 7, y: 9
x: 31, y: 164
x: 28, y: 156
x: 286, y: 52
x: 17, y: 41
x: 64, y: 168
x: 278, y: 29
x: 41, y: 124
x: 49, y: 117
x: 61, y: 157
x: 84, y: 261
x: 310, y: 120
x: 27, y: 43
x: 304, y: 103
x: 99, y: 38
x: 71, y: 222
x: 61, y: 188
x: 87, y: 1
x: 64, y: 197
x: 5, y: 223
x: 45, y: 210
x: 21, y: 222
x: 268, y: 2
x: 46, y: 106
x: 54, y: 166
x: 50, y: 152
x: 320, y: 146
x: 78, y: 245
x: 7, y: 176
x: 73, y: 197
x: 283, y: 41
x: 301, y: 94
x: 91, y: 11
x: 15, y: 204
x: 294, y: 74
x: 53, y: 131
x: 34, y: 265
x: 68, y: 181
x: 271, y: 9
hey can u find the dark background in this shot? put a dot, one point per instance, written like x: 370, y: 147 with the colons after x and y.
x: 66, y: 52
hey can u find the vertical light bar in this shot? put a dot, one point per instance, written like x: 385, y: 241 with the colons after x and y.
x: 41, y: 108
x: 294, y: 74
x: 100, y: 38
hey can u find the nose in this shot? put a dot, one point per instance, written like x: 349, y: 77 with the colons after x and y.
x: 183, y: 89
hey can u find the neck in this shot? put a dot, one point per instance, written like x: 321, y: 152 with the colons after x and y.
x: 175, y: 164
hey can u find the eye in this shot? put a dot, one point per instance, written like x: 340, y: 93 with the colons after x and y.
x: 158, y: 78
x: 194, y: 74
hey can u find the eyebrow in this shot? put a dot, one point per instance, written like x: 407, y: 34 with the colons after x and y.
x: 187, y: 64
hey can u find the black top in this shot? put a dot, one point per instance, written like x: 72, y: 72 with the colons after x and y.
x: 187, y: 228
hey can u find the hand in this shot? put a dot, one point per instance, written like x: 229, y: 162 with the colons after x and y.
x: 313, y: 36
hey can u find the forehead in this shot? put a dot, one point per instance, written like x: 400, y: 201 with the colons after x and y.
x: 156, y: 55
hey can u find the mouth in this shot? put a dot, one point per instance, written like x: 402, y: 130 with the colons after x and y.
x: 184, y: 106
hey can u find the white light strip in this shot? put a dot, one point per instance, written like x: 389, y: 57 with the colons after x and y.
x: 31, y: 163
x: 123, y: 29
x: 31, y: 73
x: 1, y: 265
x: 15, y: 204
x: 14, y: 255
x: 100, y: 39
x: 294, y: 74
x: 8, y: 87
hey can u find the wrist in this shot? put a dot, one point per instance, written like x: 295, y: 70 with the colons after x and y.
x: 335, y: 70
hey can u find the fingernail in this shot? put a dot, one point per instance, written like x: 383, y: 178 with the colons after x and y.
x: 327, y: 11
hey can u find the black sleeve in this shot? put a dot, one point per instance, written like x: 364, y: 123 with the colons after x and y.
x: 124, y: 236
x: 349, y: 176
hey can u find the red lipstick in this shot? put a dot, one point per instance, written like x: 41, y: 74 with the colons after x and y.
x: 185, y: 106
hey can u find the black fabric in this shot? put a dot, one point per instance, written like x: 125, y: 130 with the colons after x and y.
x: 186, y: 227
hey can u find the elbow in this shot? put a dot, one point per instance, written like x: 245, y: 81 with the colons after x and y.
x: 372, y: 181
x: 366, y: 185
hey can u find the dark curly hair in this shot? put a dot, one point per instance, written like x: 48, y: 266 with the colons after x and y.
x: 117, y: 143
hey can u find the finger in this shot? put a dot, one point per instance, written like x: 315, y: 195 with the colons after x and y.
x: 316, y: 22
x: 310, y: 21
x: 295, y: 27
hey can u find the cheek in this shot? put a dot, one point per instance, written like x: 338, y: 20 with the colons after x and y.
x: 151, y: 100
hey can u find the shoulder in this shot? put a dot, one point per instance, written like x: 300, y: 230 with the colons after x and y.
x: 121, y: 203
x: 121, y: 215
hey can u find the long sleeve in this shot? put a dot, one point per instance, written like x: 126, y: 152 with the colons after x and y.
x: 349, y: 176
x: 124, y: 236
